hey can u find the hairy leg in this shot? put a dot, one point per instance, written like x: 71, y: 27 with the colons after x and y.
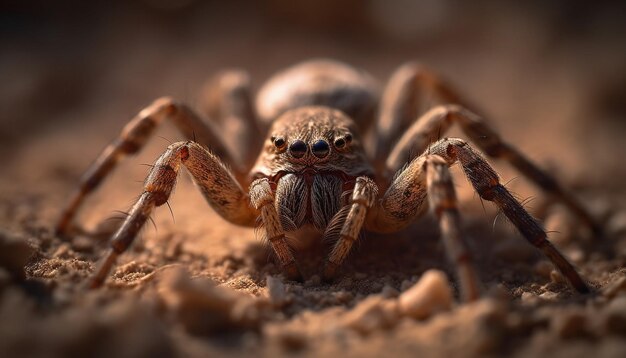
x: 438, y: 120
x: 363, y: 196
x: 132, y: 138
x: 262, y: 198
x: 216, y: 182
x: 442, y: 201
x: 404, y: 200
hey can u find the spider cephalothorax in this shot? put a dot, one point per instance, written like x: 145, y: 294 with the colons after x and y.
x: 331, y: 144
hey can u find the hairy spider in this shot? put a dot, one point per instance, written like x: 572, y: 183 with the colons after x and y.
x: 316, y: 169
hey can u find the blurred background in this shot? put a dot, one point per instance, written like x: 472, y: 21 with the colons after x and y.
x: 550, y: 75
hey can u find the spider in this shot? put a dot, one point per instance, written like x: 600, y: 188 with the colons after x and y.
x: 334, y: 160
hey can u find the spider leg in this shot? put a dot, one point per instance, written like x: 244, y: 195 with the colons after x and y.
x: 227, y: 100
x: 363, y: 196
x: 132, y: 138
x: 404, y: 200
x: 262, y: 198
x: 216, y: 182
x: 406, y: 93
x: 439, y: 119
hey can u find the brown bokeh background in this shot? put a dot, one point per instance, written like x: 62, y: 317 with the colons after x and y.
x: 550, y: 76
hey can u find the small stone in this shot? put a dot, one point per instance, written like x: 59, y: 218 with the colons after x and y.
x: 556, y: 277
x: 431, y: 294
x: 549, y: 296
x: 529, y: 298
x: 372, y: 314
x: 63, y: 251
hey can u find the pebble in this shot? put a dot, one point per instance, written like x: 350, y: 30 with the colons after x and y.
x: 549, y: 296
x: 372, y: 314
x: 556, y: 277
x: 529, y: 298
x: 431, y: 294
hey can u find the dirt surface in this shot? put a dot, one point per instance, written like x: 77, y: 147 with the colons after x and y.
x: 197, y: 285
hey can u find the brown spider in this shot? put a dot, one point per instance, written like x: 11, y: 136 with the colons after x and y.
x: 313, y: 169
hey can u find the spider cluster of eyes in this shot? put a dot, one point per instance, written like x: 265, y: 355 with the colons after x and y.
x: 320, y: 148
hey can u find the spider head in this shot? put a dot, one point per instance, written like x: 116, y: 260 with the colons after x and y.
x: 318, y: 137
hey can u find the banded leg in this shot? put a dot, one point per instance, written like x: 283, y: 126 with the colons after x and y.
x: 262, y: 198
x: 438, y: 120
x: 216, y: 182
x: 396, y: 209
x: 363, y: 196
x: 408, y: 86
x: 132, y: 138
x: 442, y: 201
x: 227, y: 100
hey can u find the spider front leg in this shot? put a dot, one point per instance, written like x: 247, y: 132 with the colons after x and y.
x: 397, y: 208
x: 363, y: 197
x: 232, y: 134
x: 262, y: 198
x: 216, y: 182
x: 130, y: 141
x: 405, y: 200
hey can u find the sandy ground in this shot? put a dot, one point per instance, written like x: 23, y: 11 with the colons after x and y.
x: 197, y: 285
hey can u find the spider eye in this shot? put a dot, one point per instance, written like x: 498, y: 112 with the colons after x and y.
x: 298, y: 149
x: 341, y: 142
x: 279, y: 142
x: 320, y: 148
